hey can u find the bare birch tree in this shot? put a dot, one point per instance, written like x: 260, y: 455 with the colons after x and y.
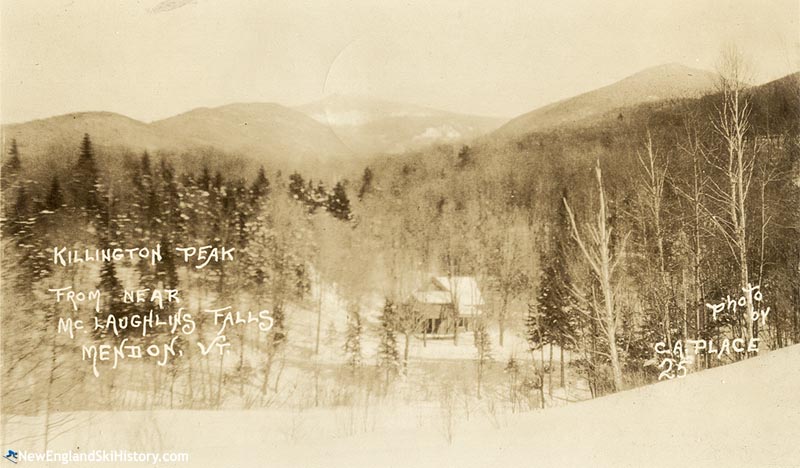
x: 654, y: 177
x: 694, y: 193
x: 732, y: 125
x: 601, y: 256
x: 655, y: 174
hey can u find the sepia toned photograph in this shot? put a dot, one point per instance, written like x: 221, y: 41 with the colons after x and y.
x: 400, y: 234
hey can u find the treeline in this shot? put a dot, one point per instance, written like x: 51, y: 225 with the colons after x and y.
x: 317, y: 196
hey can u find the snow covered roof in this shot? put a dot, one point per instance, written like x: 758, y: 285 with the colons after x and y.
x: 433, y: 297
x: 443, y: 290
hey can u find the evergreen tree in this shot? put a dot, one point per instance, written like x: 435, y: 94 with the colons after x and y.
x: 145, y: 163
x: 110, y: 285
x: 86, y: 178
x: 13, y: 164
x: 366, y: 183
x: 166, y: 269
x: 142, y: 173
x: 111, y: 288
x: 204, y: 181
x: 260, y: 188
x: 8, y: 177
x: 465, y: 157
x: 242, y: 212
x: 555, y: 304
x: 170, y: 203
x: 388, y: 357
x: 483, y: 346
x: 149, y: 229
x: 297, y: 187
x: 556, y: 317
x: 513, y: 369
x: 339, y: 204
x: 319, y: 197
x: 555, y: 321
x: 352, y: 344
x: 534, y: 330
x: 146, y: 214
x: 21, y: 225
x: 143, y: 197
x: 217, y: 182
x: 55, y: 197
x: 17, y: 222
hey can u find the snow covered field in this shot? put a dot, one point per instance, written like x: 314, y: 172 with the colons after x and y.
x: 743, y: 414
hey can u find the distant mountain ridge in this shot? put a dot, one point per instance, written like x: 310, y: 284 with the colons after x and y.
x: 670, y: 81
x: 270, y: 134
x: 261, y: 130
x: 331, y: 131
x: 341, y: 129
x: 370, y: 126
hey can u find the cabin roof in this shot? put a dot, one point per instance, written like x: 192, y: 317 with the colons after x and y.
x: 442, y: 290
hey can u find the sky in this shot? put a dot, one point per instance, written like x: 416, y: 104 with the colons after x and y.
x: 153, y: 59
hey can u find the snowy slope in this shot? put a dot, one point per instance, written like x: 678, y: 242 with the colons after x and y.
x: 744, y: 414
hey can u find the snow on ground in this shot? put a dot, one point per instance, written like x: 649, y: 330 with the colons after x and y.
x: 743, y: 414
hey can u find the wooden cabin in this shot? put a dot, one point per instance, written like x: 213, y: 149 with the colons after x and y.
x: 443, y: 299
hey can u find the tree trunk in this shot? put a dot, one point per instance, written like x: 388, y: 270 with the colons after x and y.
x: 550, y: 373
x: 173, y: 376
x: 189, y: 384
x: 242, y: 336
x: 616, y: 369
x: 611, y: 317
x: 592, y: 358
x: 455, y: 328
x: 541, y: 353
x: 541, y: 391
x: 405, y: 350
x: 698, y: 289
x: 501, y: 319
x: 732, y: 124
x: 795, y: 327
x: 280, y: 371
x: 319, y: 314
x: 220, y: 377
x: 742, y: 241
x: 602, y: 264
x: 267, y: 370
x: 316, y: 385
x: 480, y: 374
x: 685, y: 304
x: 697, y: 256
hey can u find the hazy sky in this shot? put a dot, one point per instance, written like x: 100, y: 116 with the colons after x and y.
x: 151, y: 59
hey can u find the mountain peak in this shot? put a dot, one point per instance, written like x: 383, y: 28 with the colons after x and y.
x: 674, y: 71
x: 661, y: 82
x: 673, y: 68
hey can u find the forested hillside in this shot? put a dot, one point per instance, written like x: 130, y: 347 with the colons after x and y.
x: 594, y: 244
x: 698, y: 198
